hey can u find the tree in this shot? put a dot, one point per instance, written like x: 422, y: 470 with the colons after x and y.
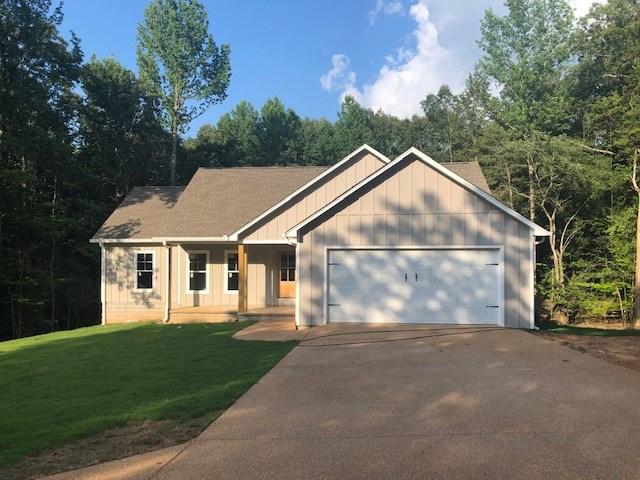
x: 38, y: 72
x: 353, y: 127
x: 180, y: 64
x: 607, y: 89
x: 237, y: 135
x: 121, y: 138
x: 278, y: 129
x: 527, y: 53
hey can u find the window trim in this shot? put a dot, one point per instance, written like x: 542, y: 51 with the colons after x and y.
x: 207, y: 274
x: 227, y: 271
x: 280, y: 267
x: 153, y: 270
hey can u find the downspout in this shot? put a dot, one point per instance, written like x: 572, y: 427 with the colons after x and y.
x: 167, y: 282
x: 103, y: 285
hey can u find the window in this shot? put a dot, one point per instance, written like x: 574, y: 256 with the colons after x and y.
x: 231, y: 270
x: 288, y: 267
x: 144, y: 270
x: 197, y: 271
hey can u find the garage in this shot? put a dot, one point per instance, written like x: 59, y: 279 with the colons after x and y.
x: 416, y: 242
x: 415, y: 285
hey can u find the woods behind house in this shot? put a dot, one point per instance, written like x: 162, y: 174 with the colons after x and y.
x: 552, y: 113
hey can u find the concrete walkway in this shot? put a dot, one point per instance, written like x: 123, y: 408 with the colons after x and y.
x: 417, y: 402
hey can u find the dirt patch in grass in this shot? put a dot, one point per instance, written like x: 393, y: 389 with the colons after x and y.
x: 113, y: 444
x: 621, y: 350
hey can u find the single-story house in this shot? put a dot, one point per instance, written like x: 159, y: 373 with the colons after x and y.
x: 368, y: 239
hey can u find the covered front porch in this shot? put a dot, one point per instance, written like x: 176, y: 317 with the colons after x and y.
x: 222, y: 314
x: 229, y: 282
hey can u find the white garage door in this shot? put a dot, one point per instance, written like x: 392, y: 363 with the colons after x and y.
x: 414, y: 286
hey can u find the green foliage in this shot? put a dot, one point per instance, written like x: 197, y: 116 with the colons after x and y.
x: 75, y: 384
x: 180, y: 64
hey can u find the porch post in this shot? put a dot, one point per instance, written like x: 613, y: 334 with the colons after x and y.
x: 243, y: 271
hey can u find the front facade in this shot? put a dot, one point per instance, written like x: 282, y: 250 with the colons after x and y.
x: 367, y: 240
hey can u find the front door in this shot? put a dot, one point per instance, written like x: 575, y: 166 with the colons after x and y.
x: 287, y: 284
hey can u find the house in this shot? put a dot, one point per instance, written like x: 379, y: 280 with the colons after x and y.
x: 368, y: 239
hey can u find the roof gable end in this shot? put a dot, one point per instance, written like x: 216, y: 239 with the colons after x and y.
x: 293, y: 232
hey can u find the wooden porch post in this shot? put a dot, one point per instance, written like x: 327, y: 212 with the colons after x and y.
x: 243, y: 272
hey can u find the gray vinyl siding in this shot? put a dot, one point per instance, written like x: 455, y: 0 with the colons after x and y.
x: 415, y: 205
x: 352, y: 172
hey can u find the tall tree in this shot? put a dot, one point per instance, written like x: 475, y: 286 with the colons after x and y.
x: 278, y: 129
x: 38, y: 72
x: 607, y: 87
x: 180, y: 64
x: 121, y: 138
x: 527, y: 54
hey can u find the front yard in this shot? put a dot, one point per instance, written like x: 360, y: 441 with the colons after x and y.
x: 98, y: 393
x: 619, y: 346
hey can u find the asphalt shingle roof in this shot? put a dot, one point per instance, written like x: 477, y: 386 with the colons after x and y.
x: 218, y: 201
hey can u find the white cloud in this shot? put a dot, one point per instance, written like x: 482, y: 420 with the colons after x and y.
x: 390, y: 7
x: 407, y: 77
x: 581, y: 7
x: 340, y: 77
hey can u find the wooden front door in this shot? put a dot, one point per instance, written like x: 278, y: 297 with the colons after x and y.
x: 287, y: 284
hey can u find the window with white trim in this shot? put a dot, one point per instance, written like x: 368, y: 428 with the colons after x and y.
x: 231, y: 272
x: 197, y: 271
x: 144, y: 270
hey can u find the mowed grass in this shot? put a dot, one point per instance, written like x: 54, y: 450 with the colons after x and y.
x: 62, y: 386
x: 590, y: 331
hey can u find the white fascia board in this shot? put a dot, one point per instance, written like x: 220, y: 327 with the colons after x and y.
x: 538, y: 231
x: 124, y: 240
x: 365, y: 147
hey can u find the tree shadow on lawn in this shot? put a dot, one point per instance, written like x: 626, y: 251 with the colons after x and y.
x: 67, y: 386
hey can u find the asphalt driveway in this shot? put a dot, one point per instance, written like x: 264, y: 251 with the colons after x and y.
x: 405, y: 402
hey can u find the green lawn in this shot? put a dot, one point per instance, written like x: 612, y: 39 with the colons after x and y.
x: 63, y: 386
x: 589, y: 331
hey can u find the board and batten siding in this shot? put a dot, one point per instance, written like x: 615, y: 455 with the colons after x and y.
x: 262, y: 280
x: 124, y: 302
x: 413, y: 205
x: 319, y: 195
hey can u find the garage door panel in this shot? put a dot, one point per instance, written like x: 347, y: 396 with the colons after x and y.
x: 414, y: 286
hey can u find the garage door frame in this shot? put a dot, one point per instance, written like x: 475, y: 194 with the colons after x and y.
x: 327, y: 249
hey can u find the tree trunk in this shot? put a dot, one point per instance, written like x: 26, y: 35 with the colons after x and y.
x: 636, y: 284
x: 174, y: 155
x: 532, y: 188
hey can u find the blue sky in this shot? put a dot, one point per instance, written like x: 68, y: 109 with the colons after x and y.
x: 388, y: 53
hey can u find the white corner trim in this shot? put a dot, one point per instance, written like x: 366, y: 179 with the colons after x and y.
x: 167, y: 282
x: 532, y: 283
x: 537, y: 229
x: 313, y: 181
x: 103, y: 284
x: 226, y: 272
x: 297, y: 305
x: 207, y: 273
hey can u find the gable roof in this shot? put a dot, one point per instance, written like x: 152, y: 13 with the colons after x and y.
x: 219, y: 203
x: 328, y: 171
x: 537, y: 229
x: 142, y: 214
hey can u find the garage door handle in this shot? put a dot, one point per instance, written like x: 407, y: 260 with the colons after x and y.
x: 492, y: 306
x: 416, y: 276
x: 405, y: 277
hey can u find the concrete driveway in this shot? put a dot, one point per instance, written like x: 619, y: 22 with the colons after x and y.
x: 402, y: 402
